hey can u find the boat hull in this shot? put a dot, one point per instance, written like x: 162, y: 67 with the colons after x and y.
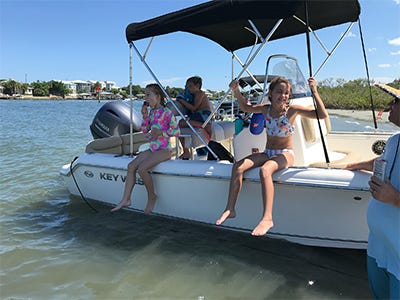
x: 312, y: 206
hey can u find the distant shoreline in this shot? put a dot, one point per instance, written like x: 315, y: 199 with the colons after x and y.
x: 42, y: 98
x: 364, y: 115
x: 51, y: 97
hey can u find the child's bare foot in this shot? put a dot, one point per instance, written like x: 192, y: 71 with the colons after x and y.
x: 263, y: 227
x: 226, y: 214
x: 150, y: 204
x: 122, y: 204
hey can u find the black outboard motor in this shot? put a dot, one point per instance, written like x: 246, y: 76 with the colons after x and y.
x: 113, y: 119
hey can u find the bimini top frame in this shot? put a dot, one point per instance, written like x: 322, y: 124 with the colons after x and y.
x: 227, y: 23
x: 222, y: 21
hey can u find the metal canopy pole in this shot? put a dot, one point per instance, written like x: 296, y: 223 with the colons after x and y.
x: 232, y: 96
x: 131, y: 103
x: 310, y: 70
x: 248, y: 72
x: 246, y: 66
x: 328, y: 53
x: 143, y: 59
x: 367, y: 71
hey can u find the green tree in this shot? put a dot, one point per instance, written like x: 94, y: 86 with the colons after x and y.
x: 136, y: 89
x: 12, y: 87
x: 58, y: 88
x: 40, y: 88
x: 354, y: 94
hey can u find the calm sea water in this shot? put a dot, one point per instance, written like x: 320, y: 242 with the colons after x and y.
x: 53, y: 246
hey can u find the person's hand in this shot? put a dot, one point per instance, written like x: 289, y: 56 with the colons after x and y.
x: 383, y: 191
x: 351, y: 167
x: 313, y: 84
x: 145, y: 112
x: 155, y: 132
x: 234, y: 85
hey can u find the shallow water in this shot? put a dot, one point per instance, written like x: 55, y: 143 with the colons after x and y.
x: 53, y: 246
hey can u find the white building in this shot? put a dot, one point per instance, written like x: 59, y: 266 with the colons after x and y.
x: 82, y: 86
x: 70, y: 85
x: 111, y: 85
x: 85, y: 87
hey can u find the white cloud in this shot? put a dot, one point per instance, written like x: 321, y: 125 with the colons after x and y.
x: 351, y: 35
x: 395, y: 42
x: 395, y: 53
x: 397, y: 2
x: 384, y: 66
x: 372, y: 49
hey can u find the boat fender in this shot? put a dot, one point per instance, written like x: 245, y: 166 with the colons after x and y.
x: 238, y: 125
x: 257, y: 123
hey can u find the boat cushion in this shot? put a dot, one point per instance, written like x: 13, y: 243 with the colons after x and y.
x: 345, y: 158
x: 221, y: 130
x: 309, y: 126
x: 119, y: 145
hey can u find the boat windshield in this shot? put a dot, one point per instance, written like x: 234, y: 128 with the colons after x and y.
x: 287, y: 67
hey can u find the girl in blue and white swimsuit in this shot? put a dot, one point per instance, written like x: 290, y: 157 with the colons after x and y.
x: 280, y: 127
x: 278, y: 152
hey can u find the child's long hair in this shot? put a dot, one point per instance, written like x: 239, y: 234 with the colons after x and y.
x: 155, y: 88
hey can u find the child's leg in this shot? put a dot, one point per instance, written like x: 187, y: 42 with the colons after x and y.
x: 207, y: 128
x: 186, y: 152
x: 130, y: 180
x: 154, y: 159
x: 236, y: 182
x: 270, y: 167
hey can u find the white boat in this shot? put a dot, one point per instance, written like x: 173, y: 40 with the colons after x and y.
x: 316, y: 202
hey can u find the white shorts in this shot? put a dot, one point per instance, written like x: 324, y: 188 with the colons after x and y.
x: 275, y: 152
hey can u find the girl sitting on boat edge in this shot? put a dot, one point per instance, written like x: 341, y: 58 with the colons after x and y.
x: 159, y: 125
x: 278, y: 153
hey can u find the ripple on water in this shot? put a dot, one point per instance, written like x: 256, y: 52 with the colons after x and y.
x: 54, y: 247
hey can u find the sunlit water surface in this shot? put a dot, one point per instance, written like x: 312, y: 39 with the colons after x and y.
x: 53, y: 246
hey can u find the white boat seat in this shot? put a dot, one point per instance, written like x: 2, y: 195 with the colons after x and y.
x: 308, y: 146
x: 308, y: 126
x: 221, y: 130
x: 338, y: 160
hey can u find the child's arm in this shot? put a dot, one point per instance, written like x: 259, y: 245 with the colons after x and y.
x: 173, y: 129
x: 363, y: 165
x: 198, y: 100
x: 146, y: 119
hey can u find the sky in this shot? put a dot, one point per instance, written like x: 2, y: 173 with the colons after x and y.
x: 43, y: 40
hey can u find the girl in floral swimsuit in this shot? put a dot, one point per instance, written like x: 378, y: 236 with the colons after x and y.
x: 278, y: 152
x: 159, y: 126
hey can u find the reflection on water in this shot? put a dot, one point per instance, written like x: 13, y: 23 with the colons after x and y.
x: 65, y: 250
